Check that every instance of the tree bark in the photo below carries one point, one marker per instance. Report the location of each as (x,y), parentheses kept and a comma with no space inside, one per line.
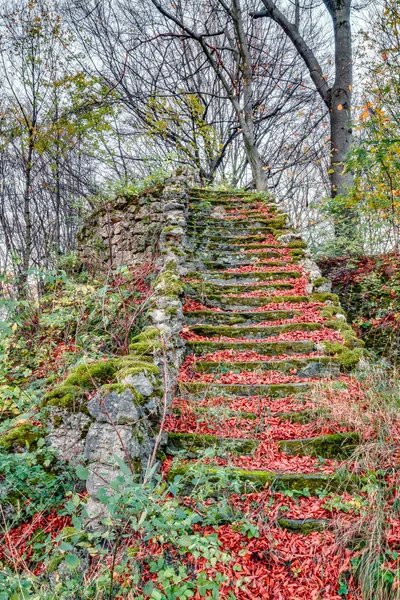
(340,96)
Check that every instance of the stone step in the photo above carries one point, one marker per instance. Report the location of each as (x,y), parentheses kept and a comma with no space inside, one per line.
(251,333)
(322,366)
(239,303)
(196,389)
(336,446)
(265,348)
(301,417)
(210,317)
(238,288)
(247,482)
(245,277)
(193,445)
(208,225)
(330,446)
(218,265)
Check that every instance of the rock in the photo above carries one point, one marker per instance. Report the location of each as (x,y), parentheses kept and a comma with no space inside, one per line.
(289,237)
(140,383)
(115,408)
(104,442)
(67,433)
(100,476)
(171,206)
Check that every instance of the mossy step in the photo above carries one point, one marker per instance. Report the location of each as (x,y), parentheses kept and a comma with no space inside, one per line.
(229,247)
(242,481)
(229,278)
(237,302)
(300,416)
(336,446)
(193,445)
(240,288)
(198,389)
(323,366)
(304,526)
(238,318)
(236,239)
(266,348)
(244,261)
(252,333)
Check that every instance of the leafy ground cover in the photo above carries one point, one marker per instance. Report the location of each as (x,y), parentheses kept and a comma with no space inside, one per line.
(258,496)
(369,290)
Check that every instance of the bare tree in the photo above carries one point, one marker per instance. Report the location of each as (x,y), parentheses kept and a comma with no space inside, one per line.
(337,96)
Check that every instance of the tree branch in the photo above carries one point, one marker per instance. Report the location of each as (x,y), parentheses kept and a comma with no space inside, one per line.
(314,68)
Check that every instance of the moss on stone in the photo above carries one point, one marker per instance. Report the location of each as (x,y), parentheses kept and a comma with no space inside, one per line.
(303,526)
(325,297)
(249,480)
(348,358)
(297,244)
(267,348)
(194,444)
(146,342)
(278,390)
(69,397)
(21,437)
(320,281)
(254,332)
(333,446)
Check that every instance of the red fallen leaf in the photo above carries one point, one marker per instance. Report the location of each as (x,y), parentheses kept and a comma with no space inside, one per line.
(324,334)
(192,305)
(264,269)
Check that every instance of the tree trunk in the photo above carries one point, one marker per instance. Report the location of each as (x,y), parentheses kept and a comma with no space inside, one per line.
(340,97)
(246,117)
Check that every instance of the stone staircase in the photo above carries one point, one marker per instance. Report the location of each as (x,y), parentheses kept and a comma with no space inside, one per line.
(263,335)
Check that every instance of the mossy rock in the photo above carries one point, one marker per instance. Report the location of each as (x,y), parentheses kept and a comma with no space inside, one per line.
(347,357)
(72,393)
(304,526)
(297,244)
(146,342)
(252,332)
(325,297)
(21,437)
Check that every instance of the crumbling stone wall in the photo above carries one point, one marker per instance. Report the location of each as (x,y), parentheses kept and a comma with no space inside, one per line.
(121,421)
(125,231)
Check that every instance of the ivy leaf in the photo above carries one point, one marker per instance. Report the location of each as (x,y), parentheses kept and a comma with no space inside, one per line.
(82,473)
(72,561)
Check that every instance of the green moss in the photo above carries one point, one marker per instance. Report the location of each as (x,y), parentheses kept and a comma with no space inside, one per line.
(324,297)
(89,375)
(303,526)
(335,446)
(329,311)
(254,332)
(348,358)
(279,390)
(320,281)
(297,244)
(267,348)
(21,437)
(247,481)
(194,444)
(66,396)
(146,342)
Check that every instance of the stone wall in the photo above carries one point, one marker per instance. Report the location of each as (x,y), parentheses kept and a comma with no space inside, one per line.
(121,421)
(124,231)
